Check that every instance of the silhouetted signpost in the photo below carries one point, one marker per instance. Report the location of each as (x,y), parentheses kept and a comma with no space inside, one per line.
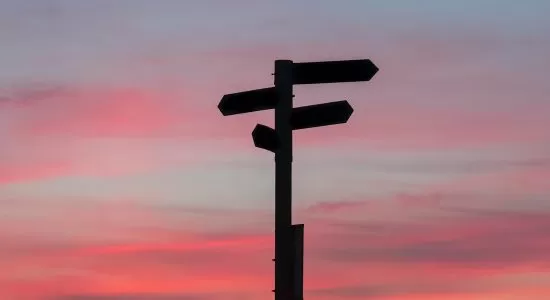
(289,241)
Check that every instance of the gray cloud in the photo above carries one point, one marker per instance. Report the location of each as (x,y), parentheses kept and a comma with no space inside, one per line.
(373,291)
(474,238)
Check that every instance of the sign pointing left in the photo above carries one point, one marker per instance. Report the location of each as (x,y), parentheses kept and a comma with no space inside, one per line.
(265,137)
(248,101)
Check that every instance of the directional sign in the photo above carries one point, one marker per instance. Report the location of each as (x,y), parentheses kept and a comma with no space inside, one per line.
(333,71)
(320,115)
(249,101)
(265,137)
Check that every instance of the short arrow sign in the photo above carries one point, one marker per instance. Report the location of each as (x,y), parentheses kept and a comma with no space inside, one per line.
(248,101)
(320,115)
(265,137)
(333,71)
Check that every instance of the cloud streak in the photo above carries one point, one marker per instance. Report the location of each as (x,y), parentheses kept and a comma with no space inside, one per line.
(118,173)
(460,251)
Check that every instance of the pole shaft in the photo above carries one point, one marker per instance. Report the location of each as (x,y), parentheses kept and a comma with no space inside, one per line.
(283,182)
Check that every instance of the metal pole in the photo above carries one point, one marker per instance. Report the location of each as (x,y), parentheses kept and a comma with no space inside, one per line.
(298,262)
(283,182)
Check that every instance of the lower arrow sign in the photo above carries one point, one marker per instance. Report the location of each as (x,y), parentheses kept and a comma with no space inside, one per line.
(320,115)
(265,137)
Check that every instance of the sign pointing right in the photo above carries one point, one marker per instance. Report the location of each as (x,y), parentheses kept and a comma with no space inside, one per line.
(320,115)
(333,71)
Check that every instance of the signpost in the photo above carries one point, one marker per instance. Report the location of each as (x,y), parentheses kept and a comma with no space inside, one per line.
(288,237)
(320,115)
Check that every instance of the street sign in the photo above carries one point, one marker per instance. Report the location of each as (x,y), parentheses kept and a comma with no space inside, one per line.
(248,101)
(333,71)
(298,261)
(320,115)
(265,137)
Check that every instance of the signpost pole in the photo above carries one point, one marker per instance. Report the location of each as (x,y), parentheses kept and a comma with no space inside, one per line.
(283,181)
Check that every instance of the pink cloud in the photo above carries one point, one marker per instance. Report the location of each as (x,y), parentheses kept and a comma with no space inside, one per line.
(51,111)
(52,131)
(334,206)
(510,185)
(204,245)
(140,250)
(96,112)
(414,102)
(23,172)
(413,128)
(470,255)
(431,245)
(117,247)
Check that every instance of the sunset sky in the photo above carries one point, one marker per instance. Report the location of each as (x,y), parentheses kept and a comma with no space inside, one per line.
(121,180)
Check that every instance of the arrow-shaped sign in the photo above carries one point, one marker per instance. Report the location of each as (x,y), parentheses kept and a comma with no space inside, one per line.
(248,101)
(265,137)
(320,115)
(333,71)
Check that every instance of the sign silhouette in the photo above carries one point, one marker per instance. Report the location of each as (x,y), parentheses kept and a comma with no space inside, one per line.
(320,115)
(248,101)
(265,137)
(289,241)
(333,71)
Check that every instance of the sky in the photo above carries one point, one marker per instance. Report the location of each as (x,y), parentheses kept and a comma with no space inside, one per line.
(121,180)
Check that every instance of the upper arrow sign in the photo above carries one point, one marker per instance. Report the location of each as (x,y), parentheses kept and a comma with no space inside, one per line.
(333,71)
(248,101)
(320,115)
